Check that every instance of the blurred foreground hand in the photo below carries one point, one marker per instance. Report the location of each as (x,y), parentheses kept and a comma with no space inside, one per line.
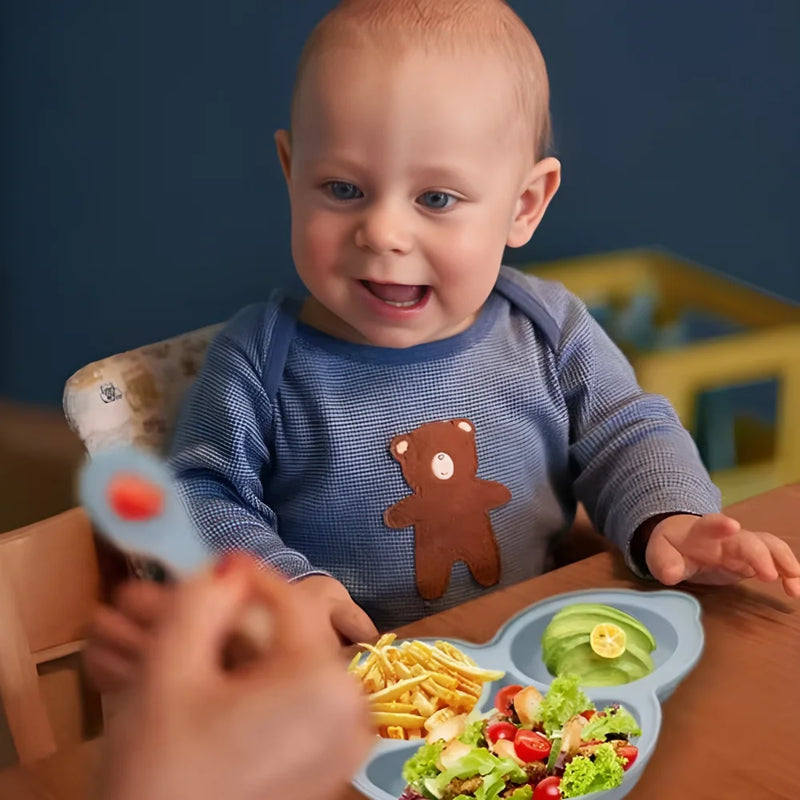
(290,723)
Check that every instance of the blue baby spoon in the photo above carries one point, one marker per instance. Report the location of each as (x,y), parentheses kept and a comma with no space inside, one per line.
(130,496)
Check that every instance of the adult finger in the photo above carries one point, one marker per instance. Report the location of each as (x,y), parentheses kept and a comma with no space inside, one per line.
(301,627)
(190,637)
(143,601)
(108,670)
(109,628)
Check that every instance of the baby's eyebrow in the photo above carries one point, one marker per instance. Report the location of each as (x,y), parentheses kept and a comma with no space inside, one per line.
(444,176)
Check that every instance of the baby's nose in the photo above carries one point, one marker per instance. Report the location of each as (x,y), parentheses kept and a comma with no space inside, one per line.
(384,228)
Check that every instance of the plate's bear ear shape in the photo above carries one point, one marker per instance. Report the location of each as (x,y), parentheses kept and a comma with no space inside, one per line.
(462,425)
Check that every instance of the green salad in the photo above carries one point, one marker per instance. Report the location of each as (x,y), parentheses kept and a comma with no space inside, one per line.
(529,747)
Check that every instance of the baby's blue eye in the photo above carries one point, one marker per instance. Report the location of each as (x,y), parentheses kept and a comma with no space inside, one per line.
(437,200)
(342,190)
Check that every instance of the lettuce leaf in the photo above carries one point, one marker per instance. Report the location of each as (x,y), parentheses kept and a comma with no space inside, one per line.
(480,761)
(582,775)
(496,773)
(473,734)
(563,700)
(422,765)
(616,720)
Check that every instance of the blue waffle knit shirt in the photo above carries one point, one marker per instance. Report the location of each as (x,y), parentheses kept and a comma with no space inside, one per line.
(282,445)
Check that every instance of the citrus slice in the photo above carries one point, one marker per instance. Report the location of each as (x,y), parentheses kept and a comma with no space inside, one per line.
(607,640)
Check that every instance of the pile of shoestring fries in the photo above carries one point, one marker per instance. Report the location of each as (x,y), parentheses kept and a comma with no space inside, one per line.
(414,687)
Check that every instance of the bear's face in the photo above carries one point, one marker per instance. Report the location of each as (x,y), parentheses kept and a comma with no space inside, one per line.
(436,453)
(443,466)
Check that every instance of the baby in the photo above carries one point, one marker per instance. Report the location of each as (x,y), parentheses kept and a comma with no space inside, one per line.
(418,429)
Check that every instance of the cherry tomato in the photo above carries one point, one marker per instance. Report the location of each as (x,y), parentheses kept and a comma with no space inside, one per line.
(504,699)
(500,730)
(629,751)
(588,714)
(531,745)
(548,789)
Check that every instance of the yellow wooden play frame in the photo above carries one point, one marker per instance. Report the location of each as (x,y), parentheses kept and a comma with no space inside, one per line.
(767,348)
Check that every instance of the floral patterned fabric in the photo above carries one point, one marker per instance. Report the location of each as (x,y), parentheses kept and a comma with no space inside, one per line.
(134,397)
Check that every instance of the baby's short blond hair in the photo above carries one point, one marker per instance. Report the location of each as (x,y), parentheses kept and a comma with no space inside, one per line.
(488,25)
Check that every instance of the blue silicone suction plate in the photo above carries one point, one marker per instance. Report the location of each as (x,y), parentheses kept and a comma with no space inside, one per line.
(672,617)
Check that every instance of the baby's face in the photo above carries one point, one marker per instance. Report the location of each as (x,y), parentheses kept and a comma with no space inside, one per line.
(404,181)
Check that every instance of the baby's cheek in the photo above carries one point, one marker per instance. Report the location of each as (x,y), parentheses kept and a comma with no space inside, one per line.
(318,241)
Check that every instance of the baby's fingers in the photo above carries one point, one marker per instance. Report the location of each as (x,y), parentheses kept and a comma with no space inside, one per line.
(353,624)
(786,563)
(665,563)
(792,586)
(752,550)
(783,556)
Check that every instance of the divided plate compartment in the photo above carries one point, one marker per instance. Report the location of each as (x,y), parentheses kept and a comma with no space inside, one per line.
(672,617)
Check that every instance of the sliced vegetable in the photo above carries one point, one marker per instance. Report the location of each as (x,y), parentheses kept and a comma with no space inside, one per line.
(531,745)
(504,699)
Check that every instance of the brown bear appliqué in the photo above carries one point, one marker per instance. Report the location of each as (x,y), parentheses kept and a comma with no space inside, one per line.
(449,508)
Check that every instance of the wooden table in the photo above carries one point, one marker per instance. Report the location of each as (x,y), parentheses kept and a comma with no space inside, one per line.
(729,730)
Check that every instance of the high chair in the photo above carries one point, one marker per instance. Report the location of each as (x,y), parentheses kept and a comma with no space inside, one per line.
(49,581)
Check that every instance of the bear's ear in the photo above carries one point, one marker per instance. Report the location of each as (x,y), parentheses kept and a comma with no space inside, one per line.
(463,425)
(399,447)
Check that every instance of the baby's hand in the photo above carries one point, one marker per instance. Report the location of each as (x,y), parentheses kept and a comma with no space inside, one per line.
(349,623)
(715,549)
(118,635)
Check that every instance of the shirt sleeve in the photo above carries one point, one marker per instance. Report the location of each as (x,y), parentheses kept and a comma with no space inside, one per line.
(632,457)
(221,449)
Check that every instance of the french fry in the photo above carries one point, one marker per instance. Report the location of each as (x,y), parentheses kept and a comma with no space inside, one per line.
(393,692)
(405,708)
(389,718)
(414,686)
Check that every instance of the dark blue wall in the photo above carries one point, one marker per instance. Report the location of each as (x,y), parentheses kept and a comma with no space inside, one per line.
(141,196)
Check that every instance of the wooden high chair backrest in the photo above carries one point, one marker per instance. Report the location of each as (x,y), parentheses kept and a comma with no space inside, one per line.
(49,582)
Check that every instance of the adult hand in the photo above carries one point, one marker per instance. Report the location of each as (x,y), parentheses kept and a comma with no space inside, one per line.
(291,723)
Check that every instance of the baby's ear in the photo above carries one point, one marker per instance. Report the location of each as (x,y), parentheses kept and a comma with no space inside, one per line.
(283,144)
(399,447)
(542,183)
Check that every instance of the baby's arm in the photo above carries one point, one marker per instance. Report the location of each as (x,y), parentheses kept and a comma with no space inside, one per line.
(641,478)
(633,461)
(221,451)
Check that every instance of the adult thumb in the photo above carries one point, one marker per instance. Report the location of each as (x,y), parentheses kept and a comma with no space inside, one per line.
(190,638)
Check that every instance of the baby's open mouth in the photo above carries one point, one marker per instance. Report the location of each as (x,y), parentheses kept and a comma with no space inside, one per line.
(397,294)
